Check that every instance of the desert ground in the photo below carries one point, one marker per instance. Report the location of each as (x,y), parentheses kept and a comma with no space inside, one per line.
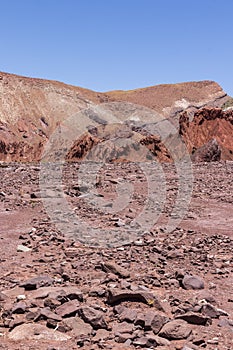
(164,290)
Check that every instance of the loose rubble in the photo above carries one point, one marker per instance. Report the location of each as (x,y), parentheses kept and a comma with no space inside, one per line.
(165,291)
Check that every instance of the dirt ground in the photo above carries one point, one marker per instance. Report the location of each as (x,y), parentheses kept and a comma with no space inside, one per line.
(157,261)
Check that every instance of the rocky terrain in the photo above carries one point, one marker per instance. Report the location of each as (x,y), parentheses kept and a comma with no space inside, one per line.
(120,236)
(32,109)
(208,124)
(162,290)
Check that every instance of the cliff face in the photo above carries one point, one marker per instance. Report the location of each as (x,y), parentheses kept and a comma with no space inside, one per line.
(31,109)
(172,99)
(210,127)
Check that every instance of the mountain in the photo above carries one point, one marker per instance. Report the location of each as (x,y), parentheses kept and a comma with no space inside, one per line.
(32,109)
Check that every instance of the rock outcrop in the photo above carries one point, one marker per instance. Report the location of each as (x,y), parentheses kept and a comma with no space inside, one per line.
(208,136)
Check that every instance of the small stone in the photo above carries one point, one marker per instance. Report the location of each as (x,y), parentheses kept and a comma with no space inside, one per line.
(37,282)
(51,303)
(191,346)
(16,322)
(161,341)
(23,248)
(210,311)
(47,313)
(68,309)
(222,312)
(192,282)
(123,327)
(101,334)
(78,326)
(198,341)
(151,321)
(140,320)
(195,318)
(73,293)
(126,345)
(19,308)
(32,316)
(116,269)
(123,337)
(154,340)
(175,330)
(142,341)
(59,295)
(205,295)
(154,321)
(3,297)
(128,315)
(139,243)
(60,327)
(213,341)
(92,316)
(226,323)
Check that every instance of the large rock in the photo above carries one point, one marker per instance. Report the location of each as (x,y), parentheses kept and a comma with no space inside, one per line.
(115,268)
(37,282)
(195,318)
(116,296)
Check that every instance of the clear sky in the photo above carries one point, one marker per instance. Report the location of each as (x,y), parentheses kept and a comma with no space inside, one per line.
(118,44)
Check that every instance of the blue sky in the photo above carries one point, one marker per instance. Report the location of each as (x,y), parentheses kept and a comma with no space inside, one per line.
(118,44)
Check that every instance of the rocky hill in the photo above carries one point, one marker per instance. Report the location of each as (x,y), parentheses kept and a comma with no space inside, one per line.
(31,109)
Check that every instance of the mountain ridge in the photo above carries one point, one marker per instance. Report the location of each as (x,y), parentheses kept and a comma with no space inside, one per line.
(32,108)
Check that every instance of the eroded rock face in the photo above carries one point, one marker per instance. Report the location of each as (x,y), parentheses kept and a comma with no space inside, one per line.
(32,109)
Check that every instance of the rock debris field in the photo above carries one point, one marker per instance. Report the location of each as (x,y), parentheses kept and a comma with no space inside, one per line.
(163,290)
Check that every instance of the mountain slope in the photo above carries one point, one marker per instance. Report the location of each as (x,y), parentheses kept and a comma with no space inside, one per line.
(171,99)
(31,109)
